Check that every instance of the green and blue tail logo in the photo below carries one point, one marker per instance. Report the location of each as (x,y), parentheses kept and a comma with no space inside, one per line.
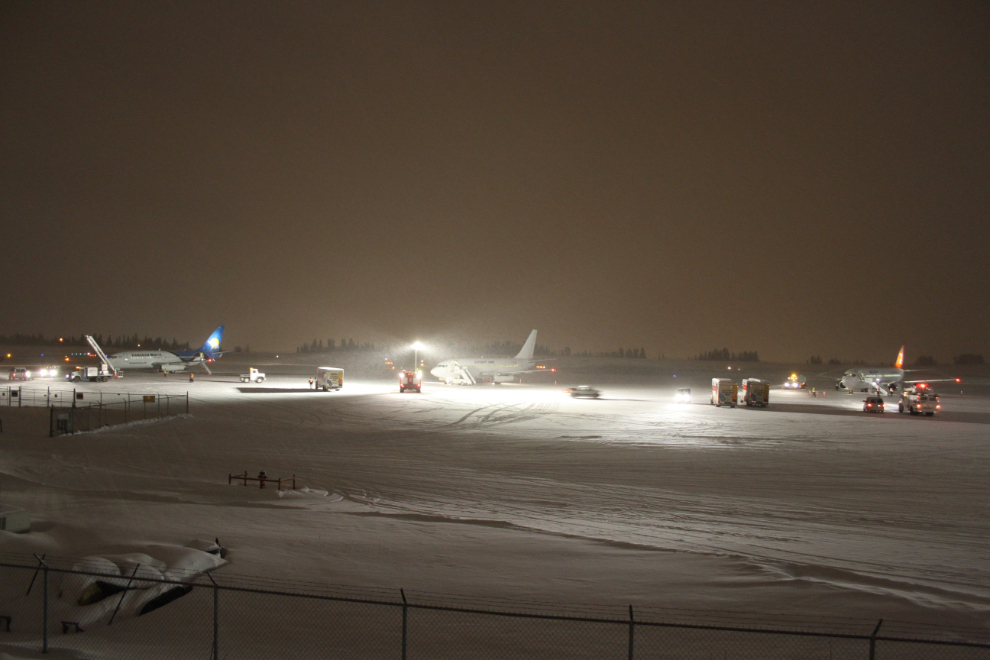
(212,345)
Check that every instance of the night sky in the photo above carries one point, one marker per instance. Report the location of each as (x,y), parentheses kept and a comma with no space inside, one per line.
(788,177)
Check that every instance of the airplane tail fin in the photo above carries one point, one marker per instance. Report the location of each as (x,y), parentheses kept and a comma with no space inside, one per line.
(900,359)
(527,350)
(212,344)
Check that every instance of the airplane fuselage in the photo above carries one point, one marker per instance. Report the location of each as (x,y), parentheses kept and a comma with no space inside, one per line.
(855,380)
(163,360)
(452,370)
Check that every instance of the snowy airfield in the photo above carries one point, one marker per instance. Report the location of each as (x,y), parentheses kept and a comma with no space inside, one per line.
(810,507)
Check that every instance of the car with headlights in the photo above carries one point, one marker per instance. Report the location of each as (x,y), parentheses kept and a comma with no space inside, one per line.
(585,391)
(873,404)
(19,373)
(683,395)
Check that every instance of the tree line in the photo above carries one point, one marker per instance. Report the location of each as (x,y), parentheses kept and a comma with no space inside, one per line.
(317,346)
(110,341)
(723,355)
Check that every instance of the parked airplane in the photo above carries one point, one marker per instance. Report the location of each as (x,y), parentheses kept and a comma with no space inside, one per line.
(884,380)
(469,371)
(170,360)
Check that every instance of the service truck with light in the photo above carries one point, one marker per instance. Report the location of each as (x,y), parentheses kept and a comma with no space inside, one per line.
(724,392)
(411,381)
(754,392)
(919,400)
(329,378)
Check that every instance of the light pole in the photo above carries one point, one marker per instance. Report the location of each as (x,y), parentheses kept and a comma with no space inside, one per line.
(416,348)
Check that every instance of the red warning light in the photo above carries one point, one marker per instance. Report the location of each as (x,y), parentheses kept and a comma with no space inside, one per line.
(958,380)
(553,369)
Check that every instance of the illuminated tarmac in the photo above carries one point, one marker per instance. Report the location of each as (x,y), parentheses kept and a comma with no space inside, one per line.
(843,508)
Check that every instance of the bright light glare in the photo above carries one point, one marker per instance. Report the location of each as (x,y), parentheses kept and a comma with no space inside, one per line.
(418,346)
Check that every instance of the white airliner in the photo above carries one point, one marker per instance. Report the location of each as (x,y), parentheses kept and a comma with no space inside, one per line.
(169,360)
(469,371)
(884,380)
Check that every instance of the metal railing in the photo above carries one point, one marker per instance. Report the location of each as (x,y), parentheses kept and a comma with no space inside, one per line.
(229,616)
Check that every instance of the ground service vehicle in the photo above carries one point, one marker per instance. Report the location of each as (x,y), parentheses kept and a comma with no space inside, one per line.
(329,378)
(585,391)
(683,395)
(795,382)
(873,404)
(410,380)
(253,376)
(89,374)
(19,373)
(919,400)
(754,392)
(48,372)
(724,392)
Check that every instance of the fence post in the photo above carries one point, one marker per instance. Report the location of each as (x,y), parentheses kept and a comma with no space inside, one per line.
(216,618)
(632,631)
(187,402)
(51,422)
(873,640)
(405,621)
(44,619)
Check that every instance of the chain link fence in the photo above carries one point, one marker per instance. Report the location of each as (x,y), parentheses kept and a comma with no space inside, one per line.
(220,616)
(75,411)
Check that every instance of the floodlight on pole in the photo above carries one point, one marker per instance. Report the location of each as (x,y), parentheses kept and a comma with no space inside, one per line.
(416,348)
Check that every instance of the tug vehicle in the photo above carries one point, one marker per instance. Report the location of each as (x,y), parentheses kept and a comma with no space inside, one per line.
(796,382)
(410,380)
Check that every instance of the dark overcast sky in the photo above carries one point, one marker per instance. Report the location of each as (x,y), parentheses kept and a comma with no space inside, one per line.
(787,177)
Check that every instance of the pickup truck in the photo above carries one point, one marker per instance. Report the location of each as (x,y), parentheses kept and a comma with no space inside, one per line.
(253,376)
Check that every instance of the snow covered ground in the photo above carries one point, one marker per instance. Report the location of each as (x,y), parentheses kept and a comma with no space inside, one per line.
(809,507)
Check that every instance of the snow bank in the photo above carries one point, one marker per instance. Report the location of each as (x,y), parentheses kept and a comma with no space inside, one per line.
(303,492)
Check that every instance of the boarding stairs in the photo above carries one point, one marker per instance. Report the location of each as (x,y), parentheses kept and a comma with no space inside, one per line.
(107,367)
(463,376)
